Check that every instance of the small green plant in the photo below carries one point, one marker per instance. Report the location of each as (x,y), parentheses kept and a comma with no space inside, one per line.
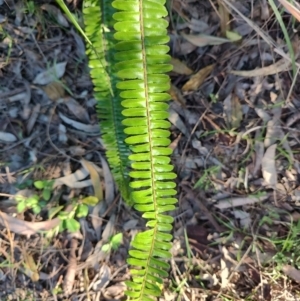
(114,243)
(204,181)
(68,219)
(288,248)
(46,188)
(31,202)
(7,39)
(35,201)
(30,7)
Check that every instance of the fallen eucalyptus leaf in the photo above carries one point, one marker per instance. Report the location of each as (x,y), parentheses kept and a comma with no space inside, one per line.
(94,178)
(7,137)
(268,166)
(233,36)
(53,73)
(54,90)
(202,40)
(175,119)
(280,66)
(294,10)
(87,128)
(197,79)
(291,272)
(233,111)
(176,95)
(180,67)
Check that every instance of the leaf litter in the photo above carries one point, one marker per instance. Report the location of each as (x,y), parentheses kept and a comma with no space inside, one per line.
(235,138)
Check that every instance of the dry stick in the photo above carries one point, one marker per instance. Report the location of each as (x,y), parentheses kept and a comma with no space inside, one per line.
(86,277)
(280,66)
(7,195)
(71,272)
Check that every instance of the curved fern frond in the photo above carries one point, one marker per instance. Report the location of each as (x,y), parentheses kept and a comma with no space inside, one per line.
(142,63)
(99,30)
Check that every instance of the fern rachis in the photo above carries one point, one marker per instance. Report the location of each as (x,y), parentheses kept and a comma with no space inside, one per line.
(141,33)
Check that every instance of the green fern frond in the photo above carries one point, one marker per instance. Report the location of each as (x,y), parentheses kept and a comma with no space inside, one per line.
(99,29)
(142,64)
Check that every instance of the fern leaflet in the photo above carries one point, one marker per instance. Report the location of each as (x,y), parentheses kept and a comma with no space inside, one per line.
(98,28)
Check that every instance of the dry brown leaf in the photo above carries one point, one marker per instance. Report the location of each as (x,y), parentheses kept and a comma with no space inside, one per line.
(30,268)
(28,228)
(224,18)
(180,67)
(197,25)
(273,132)
(243,217)
(265,12)
(268,166)
(197,79)
(259,152)
(77,110)
(185,48)
(33,118)
(280,66)
(175,119)
(292,119)
(95,178)
(202,40)
(233,111)
(176,95)
(103,279)
(54,90)
(73,180)
(291,272)
(293,9)
(115,292)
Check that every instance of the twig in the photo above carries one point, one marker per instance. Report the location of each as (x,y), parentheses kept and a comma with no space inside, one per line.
(71,272)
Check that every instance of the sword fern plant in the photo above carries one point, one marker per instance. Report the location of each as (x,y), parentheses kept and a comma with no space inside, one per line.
(129,61)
